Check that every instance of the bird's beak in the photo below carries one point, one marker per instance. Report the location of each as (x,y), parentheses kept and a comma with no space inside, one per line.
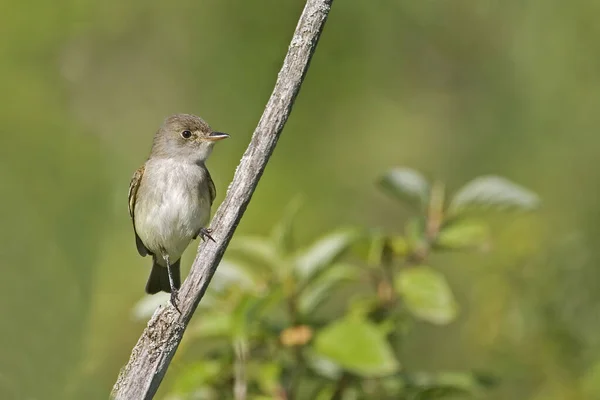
(214,136)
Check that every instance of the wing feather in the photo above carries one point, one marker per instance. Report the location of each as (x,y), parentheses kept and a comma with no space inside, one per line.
(133,189)
(211,188)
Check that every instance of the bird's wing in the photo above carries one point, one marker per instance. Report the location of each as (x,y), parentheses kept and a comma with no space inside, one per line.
(133,189)
(211,188)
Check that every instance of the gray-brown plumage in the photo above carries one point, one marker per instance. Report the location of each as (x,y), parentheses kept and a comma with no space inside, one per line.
(170,197)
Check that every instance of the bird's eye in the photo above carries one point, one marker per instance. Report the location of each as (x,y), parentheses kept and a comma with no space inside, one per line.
(186,134)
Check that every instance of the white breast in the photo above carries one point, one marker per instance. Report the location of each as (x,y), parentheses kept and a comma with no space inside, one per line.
(173,203)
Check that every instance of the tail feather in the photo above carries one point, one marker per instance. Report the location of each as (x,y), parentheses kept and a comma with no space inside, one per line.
(159,278)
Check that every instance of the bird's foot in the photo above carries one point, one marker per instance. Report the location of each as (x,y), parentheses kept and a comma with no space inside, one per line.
(174,294)
(204,233)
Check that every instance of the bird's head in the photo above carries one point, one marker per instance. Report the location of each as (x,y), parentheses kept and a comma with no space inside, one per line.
(185,137)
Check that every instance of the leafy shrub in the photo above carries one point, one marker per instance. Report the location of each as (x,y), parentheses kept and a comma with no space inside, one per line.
(321,321)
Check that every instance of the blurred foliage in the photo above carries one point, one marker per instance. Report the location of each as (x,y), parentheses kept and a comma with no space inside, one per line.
(292,322)
(455,88)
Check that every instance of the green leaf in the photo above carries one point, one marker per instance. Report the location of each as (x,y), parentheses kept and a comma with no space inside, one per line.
(360,306)
(407,185)
(281,235)
(247,314)
(358,346)
(463,235)
(257,250)
(443,384)
(399,246)
(370,248)
(415,230)
(196,375)
(266,375)
(313,295)
(363,248)
(395,388)
(323,366)
(325,393)
(324,252)
(426,294)
(235,273)
(493,192)
(213,324)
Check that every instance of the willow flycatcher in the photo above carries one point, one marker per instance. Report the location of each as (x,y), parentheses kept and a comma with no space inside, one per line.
(170,197)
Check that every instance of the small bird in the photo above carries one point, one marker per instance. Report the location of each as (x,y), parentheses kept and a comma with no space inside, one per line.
(170,198)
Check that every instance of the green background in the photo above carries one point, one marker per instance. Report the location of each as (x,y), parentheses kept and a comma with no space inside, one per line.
(455,88)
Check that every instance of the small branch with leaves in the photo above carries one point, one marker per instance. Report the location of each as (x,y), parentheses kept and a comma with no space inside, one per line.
(152,354)
(312,327)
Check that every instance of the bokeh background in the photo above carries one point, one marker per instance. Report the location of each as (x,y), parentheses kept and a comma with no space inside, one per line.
(455,89)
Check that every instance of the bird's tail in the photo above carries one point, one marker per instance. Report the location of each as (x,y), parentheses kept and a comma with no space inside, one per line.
(159,277)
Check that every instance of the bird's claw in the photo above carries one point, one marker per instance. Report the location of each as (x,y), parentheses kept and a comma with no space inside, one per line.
(205,234)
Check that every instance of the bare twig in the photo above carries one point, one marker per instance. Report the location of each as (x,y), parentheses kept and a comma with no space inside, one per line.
(151,356)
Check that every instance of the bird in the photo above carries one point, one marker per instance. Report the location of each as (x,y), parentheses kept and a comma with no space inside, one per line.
(170,198)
